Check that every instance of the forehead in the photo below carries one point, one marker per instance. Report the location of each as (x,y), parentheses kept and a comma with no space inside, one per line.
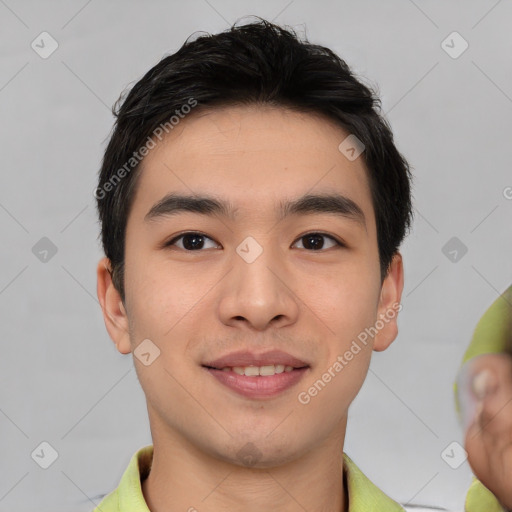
(252,156)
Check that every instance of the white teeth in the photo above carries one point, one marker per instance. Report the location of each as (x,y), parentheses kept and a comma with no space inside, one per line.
(267,370)
(252,371)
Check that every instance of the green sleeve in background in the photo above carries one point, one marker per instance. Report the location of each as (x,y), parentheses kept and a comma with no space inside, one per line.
(492,335)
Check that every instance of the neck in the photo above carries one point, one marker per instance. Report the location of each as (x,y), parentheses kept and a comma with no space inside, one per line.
(185,478)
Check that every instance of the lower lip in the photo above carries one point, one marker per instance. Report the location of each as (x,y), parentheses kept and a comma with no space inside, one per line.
(258,387)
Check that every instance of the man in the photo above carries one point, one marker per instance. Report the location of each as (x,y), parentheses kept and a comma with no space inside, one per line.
(252,204)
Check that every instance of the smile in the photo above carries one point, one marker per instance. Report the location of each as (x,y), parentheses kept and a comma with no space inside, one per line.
(258,382)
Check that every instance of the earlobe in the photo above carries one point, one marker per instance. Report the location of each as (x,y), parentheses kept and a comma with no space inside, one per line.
(389,305)
(114,312)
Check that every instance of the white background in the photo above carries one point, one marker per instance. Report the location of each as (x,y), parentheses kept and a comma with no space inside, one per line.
(61,379)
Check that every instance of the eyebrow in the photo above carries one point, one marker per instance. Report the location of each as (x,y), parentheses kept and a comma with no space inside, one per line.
(335,204)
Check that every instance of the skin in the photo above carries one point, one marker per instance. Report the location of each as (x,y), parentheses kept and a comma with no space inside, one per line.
(201,304)
(488,438)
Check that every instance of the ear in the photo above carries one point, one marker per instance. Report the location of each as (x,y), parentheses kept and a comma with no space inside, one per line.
(114,313)
(389,305)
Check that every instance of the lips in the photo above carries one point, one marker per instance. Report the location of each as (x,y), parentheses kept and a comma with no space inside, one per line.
(247,358)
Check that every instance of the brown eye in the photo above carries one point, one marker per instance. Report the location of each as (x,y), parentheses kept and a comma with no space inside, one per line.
(315,241)
(190,241)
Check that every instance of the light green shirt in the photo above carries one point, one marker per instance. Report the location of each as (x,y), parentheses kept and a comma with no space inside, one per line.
(363,495)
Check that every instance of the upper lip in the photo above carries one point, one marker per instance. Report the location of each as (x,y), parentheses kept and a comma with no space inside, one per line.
(247,358)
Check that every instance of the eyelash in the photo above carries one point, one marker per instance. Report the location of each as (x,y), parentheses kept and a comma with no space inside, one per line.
(176,238)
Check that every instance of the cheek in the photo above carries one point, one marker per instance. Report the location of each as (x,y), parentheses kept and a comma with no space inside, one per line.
(159,293)
(346,311)
(348,303)
(333,388)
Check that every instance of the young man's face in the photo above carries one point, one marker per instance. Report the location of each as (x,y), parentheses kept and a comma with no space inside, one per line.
(252,282)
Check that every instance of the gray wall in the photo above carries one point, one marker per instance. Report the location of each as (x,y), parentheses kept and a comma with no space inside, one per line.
(61,379)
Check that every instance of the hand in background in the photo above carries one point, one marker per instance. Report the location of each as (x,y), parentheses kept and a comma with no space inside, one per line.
(485,391)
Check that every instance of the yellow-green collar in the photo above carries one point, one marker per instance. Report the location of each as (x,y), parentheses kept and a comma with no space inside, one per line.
(363,495)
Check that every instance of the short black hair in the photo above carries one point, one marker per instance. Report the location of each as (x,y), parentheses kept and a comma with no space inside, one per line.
(257,63)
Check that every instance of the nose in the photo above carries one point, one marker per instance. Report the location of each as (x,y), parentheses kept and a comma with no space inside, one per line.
(258,294)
